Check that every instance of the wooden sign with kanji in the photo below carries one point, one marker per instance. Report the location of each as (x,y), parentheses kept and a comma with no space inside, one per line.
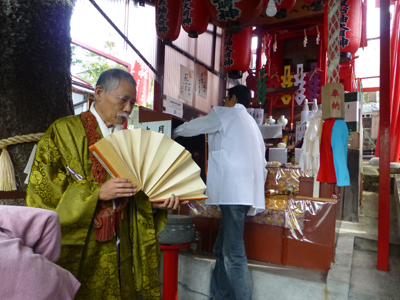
(332,95)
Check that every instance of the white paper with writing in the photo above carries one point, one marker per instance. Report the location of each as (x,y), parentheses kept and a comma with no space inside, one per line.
(201,81)
(174,107)
(186,84)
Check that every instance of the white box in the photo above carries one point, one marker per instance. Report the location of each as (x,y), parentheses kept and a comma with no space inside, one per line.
(278,154)
(301,128)
(351,111)
(297,154)
(271,131)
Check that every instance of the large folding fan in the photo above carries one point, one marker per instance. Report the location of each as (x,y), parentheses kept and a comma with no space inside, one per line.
(153,162)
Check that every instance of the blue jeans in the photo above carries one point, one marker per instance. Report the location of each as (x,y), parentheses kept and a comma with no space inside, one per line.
(231,277)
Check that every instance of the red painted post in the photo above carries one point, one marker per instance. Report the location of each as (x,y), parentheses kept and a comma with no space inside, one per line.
(170,270)
(292,113)
(259,35)
(395,88)
(384,136)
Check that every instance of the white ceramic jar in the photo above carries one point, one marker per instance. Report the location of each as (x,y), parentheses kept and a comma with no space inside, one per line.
(282,121)
(270,121)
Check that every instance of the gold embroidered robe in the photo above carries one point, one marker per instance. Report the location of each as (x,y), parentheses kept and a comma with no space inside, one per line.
(61,181)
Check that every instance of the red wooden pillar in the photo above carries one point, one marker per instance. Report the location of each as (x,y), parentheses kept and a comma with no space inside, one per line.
(170,270)
(292,113)
(384,138)
(259,34)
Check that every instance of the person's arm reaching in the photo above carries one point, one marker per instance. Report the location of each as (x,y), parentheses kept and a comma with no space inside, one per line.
(203,125)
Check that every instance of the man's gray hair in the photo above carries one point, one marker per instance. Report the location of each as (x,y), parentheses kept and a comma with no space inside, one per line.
(109,79)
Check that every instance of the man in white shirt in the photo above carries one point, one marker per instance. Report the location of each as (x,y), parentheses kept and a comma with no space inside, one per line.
(235,182)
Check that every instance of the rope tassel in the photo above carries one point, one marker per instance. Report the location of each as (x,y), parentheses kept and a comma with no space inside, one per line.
(7,175)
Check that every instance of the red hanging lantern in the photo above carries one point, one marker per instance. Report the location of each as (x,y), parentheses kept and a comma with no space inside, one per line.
(234,15)
(194,17)
(315,5)
(350,28)
(284,7)
(168,19)
(237,52)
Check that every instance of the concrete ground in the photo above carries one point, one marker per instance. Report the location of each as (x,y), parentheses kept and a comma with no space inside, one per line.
(353,276)
(366,282)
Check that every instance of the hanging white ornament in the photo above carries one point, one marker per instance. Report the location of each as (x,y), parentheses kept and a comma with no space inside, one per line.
(264,43)
(318,36)
(305,39)
(300,82)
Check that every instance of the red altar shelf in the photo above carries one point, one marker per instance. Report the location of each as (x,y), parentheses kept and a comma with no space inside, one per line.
(293,230)
(279,92)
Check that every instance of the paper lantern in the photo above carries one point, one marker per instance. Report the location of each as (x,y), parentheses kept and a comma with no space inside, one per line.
(168,19)
(350,28)
(315,5)
(237,52)
(284,7)
(234,15)
(194,17)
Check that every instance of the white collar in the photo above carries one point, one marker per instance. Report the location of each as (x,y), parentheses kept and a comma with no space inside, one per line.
(239,105)
(103,127)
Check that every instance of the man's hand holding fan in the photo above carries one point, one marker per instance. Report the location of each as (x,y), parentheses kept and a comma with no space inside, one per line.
(153,163)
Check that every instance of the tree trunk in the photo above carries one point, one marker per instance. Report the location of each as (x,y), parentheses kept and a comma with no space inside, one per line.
(35,80)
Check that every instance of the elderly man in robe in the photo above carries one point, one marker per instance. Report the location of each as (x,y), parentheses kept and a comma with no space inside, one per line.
(109,232)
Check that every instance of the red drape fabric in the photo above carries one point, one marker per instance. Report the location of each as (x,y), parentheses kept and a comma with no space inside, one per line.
(326,171)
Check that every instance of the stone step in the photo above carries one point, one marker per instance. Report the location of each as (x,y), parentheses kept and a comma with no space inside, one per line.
(195,272)
(271,281)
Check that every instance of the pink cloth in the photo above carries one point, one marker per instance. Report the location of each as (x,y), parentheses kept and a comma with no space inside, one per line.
(30,243)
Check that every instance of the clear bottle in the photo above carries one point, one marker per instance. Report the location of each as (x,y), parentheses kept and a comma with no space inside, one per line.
(195,244)
(305,113)
(305,105)
(314,109)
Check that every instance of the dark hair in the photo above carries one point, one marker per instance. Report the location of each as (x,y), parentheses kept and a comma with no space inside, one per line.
(109,79)
(242,94)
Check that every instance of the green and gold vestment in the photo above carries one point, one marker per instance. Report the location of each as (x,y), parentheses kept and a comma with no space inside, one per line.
(61,181)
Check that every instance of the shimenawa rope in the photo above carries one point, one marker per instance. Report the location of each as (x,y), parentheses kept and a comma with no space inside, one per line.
(7,174)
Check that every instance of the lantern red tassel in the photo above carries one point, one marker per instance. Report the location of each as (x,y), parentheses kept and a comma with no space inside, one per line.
(237,52)
(194,17)
(168,19)
(315,5)
(350,28)
(284,7)
(232,15)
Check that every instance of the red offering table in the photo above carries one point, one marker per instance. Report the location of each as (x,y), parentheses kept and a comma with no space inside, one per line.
(170,270)
(293,231)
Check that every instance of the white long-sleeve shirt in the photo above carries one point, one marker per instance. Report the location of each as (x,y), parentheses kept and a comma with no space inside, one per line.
(203,125)
(233,178)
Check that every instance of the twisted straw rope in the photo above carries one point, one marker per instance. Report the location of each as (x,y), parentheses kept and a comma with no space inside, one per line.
(33,137)
(333,41)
